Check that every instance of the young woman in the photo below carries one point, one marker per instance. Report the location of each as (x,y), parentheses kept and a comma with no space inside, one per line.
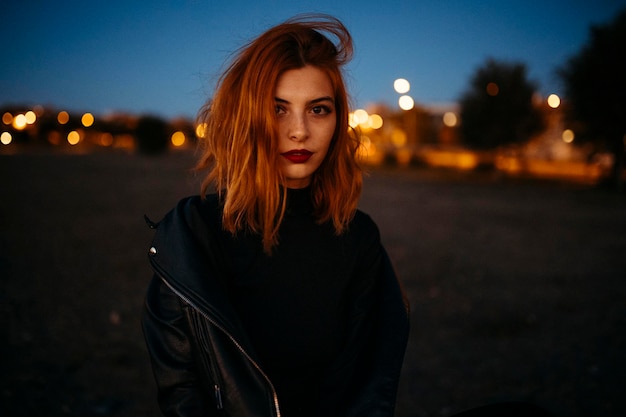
(274,296)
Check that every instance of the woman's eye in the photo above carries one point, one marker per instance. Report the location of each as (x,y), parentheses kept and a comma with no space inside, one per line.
(279,110)
(321,110)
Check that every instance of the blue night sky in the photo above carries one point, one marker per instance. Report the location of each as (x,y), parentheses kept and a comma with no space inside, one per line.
(162,57)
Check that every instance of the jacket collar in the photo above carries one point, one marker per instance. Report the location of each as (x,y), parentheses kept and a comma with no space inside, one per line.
(194,274)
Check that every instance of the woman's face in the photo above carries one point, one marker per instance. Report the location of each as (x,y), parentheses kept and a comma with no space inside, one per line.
(305,111)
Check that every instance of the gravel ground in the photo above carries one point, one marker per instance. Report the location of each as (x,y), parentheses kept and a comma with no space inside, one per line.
(517,288)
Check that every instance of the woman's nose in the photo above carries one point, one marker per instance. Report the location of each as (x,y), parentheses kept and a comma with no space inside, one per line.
(298,129)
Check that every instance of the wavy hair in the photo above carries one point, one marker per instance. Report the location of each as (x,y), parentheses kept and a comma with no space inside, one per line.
(240,142)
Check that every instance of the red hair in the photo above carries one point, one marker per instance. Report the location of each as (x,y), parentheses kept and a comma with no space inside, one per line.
(240,140)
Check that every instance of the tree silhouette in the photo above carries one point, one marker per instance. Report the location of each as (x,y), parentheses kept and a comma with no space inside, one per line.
(595,87)
(497,109)
(151,135)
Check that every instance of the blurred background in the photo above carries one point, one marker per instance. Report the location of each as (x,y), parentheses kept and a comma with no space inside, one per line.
(528,88)
(493,137)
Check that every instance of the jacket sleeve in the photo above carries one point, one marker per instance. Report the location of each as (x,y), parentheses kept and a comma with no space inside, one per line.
(366,374)
(180,390)
(381,361)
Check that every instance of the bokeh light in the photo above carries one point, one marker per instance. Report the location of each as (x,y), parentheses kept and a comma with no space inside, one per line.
(449,119)
(7,118)
(568,136)
(364,120)
(63,117)
(554,101)
(106,139)
(19,122)
(73,137)
(87,119)
(178,138)
(493,89)
(54,138)
(352,121)
(31,117)
(201,130)
(375,121)
(6,138)
(406,102)
(360,116)
(401,85)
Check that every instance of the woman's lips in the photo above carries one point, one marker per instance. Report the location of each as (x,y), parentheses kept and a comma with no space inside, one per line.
(297,156)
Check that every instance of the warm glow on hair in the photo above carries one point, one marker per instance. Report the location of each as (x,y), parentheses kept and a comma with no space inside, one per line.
(240,140)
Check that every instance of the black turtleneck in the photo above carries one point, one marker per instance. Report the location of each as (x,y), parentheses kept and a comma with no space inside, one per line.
(297,304)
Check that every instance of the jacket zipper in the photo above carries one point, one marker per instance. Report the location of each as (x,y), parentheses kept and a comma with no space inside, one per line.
(209,359)
(218,394)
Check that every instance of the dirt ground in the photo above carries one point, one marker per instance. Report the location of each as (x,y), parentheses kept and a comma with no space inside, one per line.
(517,288)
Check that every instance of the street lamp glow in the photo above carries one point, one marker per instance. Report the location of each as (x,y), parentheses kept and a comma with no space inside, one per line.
(31,117)
(375,121)
(19,122)
(401,86)
(73,137)
(6,138)
(568,136)
(554,101)
(87,119)
(63,117)
(7,118)
(406,102)
(449,119)
(201,130)
(178,138)
(360,116)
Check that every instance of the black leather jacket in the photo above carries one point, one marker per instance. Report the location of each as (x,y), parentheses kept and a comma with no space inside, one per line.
(202,361)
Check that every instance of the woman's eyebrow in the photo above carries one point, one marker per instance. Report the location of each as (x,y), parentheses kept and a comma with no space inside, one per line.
(314,101)
(322,99)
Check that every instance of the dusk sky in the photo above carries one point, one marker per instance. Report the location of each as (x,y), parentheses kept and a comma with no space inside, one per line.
(162,57)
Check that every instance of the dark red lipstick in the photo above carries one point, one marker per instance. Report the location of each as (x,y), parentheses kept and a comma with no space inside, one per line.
(297,156)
